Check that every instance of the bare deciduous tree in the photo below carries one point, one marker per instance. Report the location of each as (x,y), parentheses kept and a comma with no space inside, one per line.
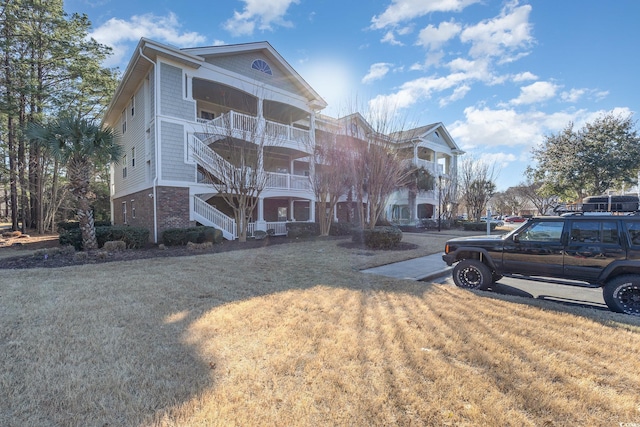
(533,192)
(235,164)
(331,175)
(378,168)
(477,185)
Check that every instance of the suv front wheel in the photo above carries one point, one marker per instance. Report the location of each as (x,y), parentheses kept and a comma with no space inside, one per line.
(472,274)
(622,294)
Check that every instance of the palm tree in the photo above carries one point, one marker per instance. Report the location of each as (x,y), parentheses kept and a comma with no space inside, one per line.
(79,144)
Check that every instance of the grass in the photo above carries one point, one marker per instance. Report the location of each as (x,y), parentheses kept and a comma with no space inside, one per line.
(296,335)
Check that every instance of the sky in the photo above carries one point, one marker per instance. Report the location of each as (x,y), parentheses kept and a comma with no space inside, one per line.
(500,75)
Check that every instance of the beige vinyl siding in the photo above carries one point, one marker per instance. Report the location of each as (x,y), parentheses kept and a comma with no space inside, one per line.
(172,87)
(241,64)
(136,128)
(134,136)
(172,144)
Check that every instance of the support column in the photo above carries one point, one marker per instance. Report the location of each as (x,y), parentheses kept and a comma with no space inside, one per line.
(312,210)
(291,206)
(261,224)
(312,146)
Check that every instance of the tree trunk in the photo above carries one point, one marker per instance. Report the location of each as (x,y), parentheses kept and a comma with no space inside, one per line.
(87,226)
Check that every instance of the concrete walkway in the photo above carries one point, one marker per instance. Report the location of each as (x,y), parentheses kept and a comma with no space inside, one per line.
(423,268)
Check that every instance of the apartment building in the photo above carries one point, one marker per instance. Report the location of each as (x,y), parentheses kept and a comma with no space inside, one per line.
(174,107)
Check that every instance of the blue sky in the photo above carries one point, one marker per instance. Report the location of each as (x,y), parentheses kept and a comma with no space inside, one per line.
(500,75)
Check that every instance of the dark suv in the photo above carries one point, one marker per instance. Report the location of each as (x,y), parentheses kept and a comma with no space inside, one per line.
(597,251)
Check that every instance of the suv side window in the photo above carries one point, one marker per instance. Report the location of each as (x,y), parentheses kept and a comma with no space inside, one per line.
(543,232)
(633,228)
(595,232)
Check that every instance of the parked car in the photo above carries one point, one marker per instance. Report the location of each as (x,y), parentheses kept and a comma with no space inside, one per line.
(512,219)
(496,221)
(591,251)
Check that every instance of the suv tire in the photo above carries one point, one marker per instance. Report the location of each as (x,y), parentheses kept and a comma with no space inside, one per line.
(472,274)
(622,294)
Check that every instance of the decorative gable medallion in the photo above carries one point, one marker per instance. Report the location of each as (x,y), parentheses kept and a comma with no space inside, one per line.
(261,66)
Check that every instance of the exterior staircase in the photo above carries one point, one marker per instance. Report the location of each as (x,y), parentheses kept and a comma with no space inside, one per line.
(206,214)
(203,212)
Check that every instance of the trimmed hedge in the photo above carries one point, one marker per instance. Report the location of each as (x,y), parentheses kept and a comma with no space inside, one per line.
(182,236)
(75,225)
(134,237)
(378,238)
(341,229)
(302,229)
(478,226)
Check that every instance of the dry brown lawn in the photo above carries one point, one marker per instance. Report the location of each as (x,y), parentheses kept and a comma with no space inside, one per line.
(295,335)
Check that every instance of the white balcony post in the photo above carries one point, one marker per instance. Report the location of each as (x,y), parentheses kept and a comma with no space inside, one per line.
(312,210)
(291,206)
(261,224)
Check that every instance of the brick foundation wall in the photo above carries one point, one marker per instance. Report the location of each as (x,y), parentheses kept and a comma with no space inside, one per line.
(173,209)
(139,208)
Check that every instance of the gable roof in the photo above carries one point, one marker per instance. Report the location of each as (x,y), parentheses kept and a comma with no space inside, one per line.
(422,132)
(275,58)
(147,52)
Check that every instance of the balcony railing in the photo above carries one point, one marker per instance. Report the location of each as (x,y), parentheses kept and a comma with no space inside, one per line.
(287,181)
(244,124)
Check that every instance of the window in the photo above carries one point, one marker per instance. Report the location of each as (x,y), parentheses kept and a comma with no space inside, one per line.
(133,157)
(262,66)
(124,212)
(124,168)
(207,115)
(543,232)
(123,120)
(133,105)
(633,228)
(594,232)
(282,214)
(133,209)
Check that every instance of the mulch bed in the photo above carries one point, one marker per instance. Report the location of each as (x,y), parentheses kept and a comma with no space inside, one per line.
(42,259)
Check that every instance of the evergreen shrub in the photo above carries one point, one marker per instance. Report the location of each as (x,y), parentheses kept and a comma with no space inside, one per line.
(182,236)
(302,229)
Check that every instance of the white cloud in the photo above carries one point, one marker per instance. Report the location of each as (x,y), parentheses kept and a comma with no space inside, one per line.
(458,93)
(376,72)
(573,95)
(119,33)
(433,38)
(260,14)
(416,90)
(433,60)
(390,38)
(502,36)
(500,160)
(512,134)
(522,77)
(536,92)
(404,10)
(485,127)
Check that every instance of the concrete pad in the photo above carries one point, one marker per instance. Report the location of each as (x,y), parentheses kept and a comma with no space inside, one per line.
(422,268)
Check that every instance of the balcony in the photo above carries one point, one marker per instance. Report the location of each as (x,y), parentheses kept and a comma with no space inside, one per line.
(247,127)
